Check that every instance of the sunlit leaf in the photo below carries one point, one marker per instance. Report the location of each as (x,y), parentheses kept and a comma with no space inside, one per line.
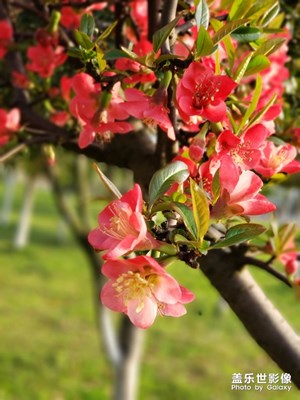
(238,234)
(227,29)
(188,218)
(100,59)
(107,31)
(200,210)
(83,40)
(269,47)
(257,64)
(163,179)
(240,71)
(239,9)
(204,44)
(202,14)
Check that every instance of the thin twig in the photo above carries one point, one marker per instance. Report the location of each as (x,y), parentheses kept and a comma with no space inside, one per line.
(12,152)
(265,265)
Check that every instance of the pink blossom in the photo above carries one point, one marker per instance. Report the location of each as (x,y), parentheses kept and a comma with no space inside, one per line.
(152,110)
(142,289)
(277,159)
(122,227)
(9,123)
(239,191)
(200,92)
(245,149)
(6,34)
(60,118)
(70,19)
(44,59)
(93,117)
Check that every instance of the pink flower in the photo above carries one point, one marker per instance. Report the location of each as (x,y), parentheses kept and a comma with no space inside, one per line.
(9,123)
(94,118)
(44,59)
(122,227)
(70,19)
(142,289)
(152,110)
(277,159)
(239,192)
(201,92)
(245,149)
(6,34)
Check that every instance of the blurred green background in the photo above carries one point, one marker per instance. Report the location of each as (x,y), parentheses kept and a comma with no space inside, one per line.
(49,344)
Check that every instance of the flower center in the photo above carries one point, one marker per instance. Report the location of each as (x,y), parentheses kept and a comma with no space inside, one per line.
(135,286)
(205,92)
(119,226)
(277,159)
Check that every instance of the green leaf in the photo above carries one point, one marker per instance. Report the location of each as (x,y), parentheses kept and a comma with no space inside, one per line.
(187,216)
(252,106)
(269,47)
(162,34)
(204,44)
(202,14)
(163,179)
(256,118)
(257,64)
(107,31)
(87,25)
(227,29)
(114,54)
(259,8)
(238,9)
(246,34)
(200,210)
(100,58)
(83,40)
(238,234)
(270,15)
(74,52)
(240,71)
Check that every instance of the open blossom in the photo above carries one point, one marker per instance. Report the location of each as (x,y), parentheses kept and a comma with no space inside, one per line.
(239,191)
(200,92)
(9,123)
(94,118)
(277,159)
(142,289)
(152,110)
(44,59)
(6,34)
(245,150)
(122,227)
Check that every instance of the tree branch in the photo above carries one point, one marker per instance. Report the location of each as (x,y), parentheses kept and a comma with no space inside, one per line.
(261,319)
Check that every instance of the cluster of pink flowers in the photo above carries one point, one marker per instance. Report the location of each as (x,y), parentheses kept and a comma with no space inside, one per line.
(138,286)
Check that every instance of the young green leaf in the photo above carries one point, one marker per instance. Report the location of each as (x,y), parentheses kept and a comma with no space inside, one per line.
(269,47)
(253,104)
(83,40)
(162,34)
(240,71)
(227,29)
(257,64)
(187,216)
(238,234)
(107,31)
(200,210)
(163,179)
(239,9)
(204,44)
(100,58)
(202,14)
(87,25)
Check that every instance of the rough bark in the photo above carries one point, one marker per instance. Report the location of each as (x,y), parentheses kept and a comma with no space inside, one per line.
(259,316)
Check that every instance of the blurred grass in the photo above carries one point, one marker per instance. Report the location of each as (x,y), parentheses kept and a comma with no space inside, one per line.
(50,348)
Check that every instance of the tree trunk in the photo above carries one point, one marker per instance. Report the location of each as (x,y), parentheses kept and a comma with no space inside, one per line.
(261,319)
(22,233)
